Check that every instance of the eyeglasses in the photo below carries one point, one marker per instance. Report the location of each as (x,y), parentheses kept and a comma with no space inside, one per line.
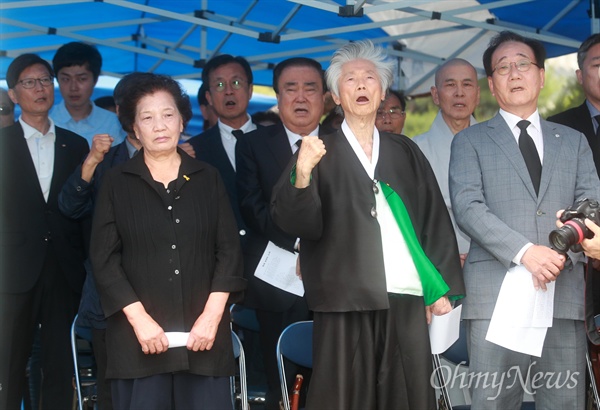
(30,82)
(235,84)
(394,113)
(521,66)
(5,110)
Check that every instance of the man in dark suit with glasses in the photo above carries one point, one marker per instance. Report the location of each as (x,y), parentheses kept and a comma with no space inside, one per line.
(228,84)
(41,251)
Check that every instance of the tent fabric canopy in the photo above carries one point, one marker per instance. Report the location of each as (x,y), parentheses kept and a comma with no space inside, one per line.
(178,37)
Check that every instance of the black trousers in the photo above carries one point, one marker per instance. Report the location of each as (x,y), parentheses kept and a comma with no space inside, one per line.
(172,391)
(53,304)
(373,359)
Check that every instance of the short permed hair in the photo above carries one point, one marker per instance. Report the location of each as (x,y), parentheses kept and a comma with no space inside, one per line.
(539,52)
(360,50)
(125,84)
(77,53)
(21,63)
(140,85)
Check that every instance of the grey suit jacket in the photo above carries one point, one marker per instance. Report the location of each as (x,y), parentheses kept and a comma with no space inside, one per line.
(496,205)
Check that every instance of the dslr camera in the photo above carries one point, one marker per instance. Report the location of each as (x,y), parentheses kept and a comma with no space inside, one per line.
(570,235)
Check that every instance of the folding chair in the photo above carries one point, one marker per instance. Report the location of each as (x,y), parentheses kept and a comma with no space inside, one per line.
(592,394)
(295,345)
(244,317)
(457,354)
(84,365)
(238,353)
(245,323)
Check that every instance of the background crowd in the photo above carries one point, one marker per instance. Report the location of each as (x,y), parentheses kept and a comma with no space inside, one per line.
(108,212)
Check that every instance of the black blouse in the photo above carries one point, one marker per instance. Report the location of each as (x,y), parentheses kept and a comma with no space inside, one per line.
(168,250)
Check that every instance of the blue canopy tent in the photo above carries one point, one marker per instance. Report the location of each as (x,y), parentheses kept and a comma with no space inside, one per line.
(178,37)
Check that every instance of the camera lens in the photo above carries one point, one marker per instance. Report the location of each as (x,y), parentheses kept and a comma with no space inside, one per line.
(571,233)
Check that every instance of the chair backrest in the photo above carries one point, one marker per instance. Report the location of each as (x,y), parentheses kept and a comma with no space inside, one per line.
(458,353)
(244,317)
(294,344)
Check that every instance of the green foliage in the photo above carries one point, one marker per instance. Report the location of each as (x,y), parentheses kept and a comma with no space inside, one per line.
(420,113)
(561,92)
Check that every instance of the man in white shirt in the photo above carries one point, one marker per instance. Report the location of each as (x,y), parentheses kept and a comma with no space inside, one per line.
(77,67)
(508,178)
(261,158)
(228,85)
(41,251)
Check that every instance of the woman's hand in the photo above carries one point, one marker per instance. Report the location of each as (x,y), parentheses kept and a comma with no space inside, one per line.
(149,334)
(439,307)
(203,333)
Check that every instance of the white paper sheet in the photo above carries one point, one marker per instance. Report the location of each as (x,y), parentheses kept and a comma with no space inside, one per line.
(277,267)
(522,315)
(177,339)
(444,330)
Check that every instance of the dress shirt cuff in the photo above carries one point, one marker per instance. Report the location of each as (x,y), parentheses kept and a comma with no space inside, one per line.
(517,258)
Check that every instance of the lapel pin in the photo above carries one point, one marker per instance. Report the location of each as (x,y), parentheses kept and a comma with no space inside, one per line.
(186,177)
(64,145)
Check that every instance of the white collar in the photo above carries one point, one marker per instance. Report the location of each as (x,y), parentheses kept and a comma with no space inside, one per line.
(29,131)
(369,166)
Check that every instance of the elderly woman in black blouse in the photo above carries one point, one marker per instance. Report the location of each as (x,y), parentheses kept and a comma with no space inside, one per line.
(378,252)
(166,258)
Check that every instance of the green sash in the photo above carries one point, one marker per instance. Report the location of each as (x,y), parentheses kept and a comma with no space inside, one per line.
(434,286)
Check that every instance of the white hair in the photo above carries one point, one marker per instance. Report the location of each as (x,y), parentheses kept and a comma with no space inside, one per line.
(359,50)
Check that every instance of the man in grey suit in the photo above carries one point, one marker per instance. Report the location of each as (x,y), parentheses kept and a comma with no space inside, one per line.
(506,202)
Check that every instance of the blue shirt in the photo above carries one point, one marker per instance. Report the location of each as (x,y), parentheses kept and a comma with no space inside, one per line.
(100,121)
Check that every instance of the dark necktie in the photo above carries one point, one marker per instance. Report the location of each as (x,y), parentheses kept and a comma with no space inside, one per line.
(296,145)
(530,155)
(237,134)
(597,117)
